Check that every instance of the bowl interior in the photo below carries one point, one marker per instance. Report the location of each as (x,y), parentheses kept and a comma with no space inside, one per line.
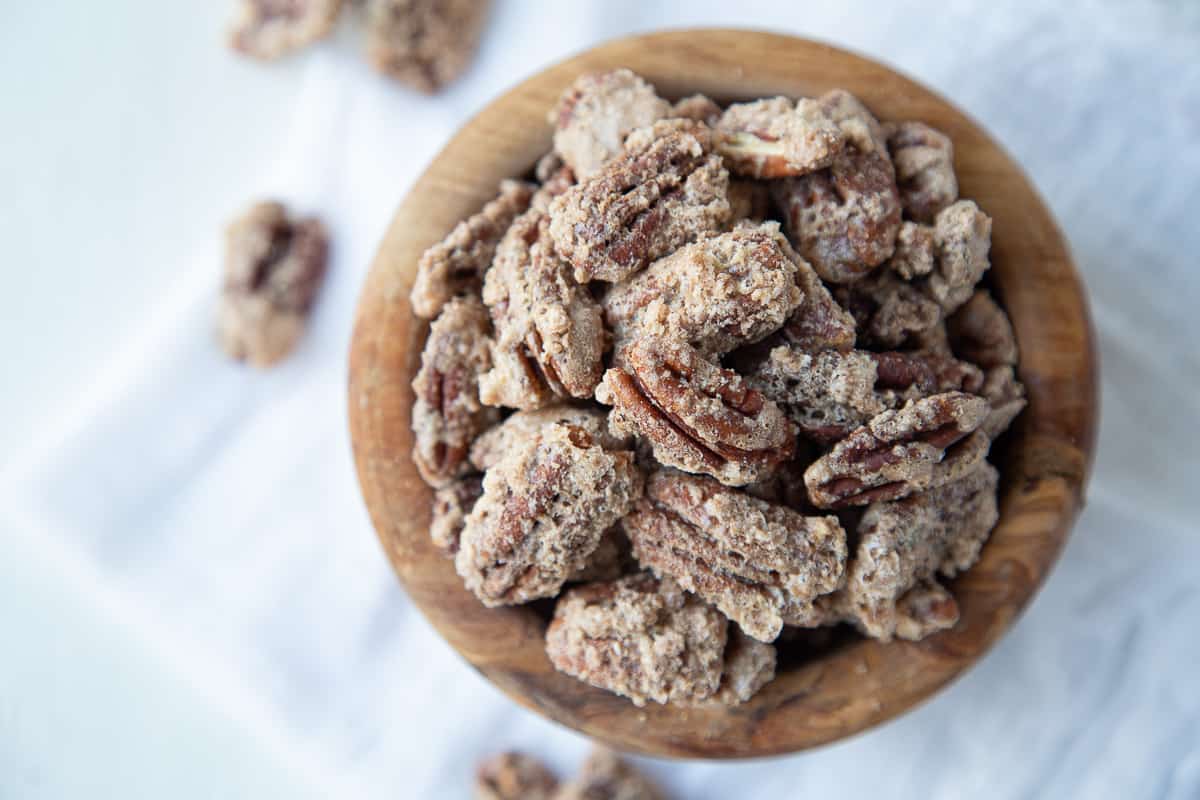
(828,687)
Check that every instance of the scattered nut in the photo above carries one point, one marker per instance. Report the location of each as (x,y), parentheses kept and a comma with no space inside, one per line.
(269,29)
(514,776)
(425,44)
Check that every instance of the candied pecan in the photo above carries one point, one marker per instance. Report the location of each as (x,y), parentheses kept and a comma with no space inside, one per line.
(931,341)
(760,564)
(829,394)
(749,200)
(274,266)
(716,294)
(608,561)
(981,332)
(514,776)
(1007,398)
(423,43)
(962,234)
(697,416)
(547,326)
(844,219)
(268,29)
(594,116)
(901,452)
(447,414)
(819,323)
(902,544)
(604,776)
(776,138)
(914,254)
(554,185)
(544,508)
(697,107)
(455,265)
(642,205)
(889,311)
(924,161)
(451,505)
(548,166)
(925,609)
(641,138)
(493,444)
(749,666)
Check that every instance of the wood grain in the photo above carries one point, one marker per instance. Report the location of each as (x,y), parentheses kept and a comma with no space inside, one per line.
(846,689)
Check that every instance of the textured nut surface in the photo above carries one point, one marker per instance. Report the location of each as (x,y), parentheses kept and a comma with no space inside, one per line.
(424,44)
(543,511)
(697,107)
(777,138)
(447,414)
(274,266)
(924,161)
(981,332)
(902,544)
(269,29)
(963,236)
(640,637)
(451,505)
(455,265)
(695,415)
(749,200)
(749,666)
(716,294)
(549,336)
(1007,398)
(760,564)
(514,776)
(641,206)
(924,444)
(914,255)
(493,444)
(595,115)
(605,776)
(925,609)
(889,312)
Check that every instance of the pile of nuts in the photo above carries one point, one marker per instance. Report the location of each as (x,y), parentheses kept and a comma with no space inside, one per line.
(717,373)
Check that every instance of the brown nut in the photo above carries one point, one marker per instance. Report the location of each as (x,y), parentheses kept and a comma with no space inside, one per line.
(962,234)
(455,265)
(514,776)
(925,609)
(269,29)
(760,564)
(495,443)
(641,206)
(697,107)
(981,332)
(605,776)
(544,509)
(451,505)
(889,312)
(640,637)
(423,43)
(447,414)
(776,138)
(1007,398)
(696,416)
(924,444)
(924,160)
(749,666)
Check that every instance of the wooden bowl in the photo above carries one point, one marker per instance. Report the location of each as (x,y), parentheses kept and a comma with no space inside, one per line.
(833,692)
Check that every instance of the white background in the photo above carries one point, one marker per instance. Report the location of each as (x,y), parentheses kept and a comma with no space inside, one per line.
(192,603)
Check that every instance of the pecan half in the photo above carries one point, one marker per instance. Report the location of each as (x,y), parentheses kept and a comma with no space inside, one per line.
(549,336)
(981,332)
(749,666)
(1007,398)
(455,265)
(495,443)
(696,416)
(776,138)
(269,29)
(844,219)
(963,235)
(902,544)
(716,294)
(424,44)
(451,505)
(274,265)
(594,116)
(447,414)
(514,776)
(915,249)
(829,394)
(901,452)
(642,205)
(544,509)
(924,160)
(640,637)
(889,312)
(604,776)
(818,323)
(760,564)
(698,107)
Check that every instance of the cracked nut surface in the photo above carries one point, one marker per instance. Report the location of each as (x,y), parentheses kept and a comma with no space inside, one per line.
(544,509)
(274,266)
(424,44)
(926,443)
(761,564)
(749,666)
(716,294)
(924,161)
(514,776)
(493,444)
(639,207)
(447,414)
(777,138)
(269,29)
(695,415)
(963,235)
(640,637)
(455,265)
(889,312)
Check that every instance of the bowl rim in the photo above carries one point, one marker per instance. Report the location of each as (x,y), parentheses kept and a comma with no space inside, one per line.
(1044,473)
